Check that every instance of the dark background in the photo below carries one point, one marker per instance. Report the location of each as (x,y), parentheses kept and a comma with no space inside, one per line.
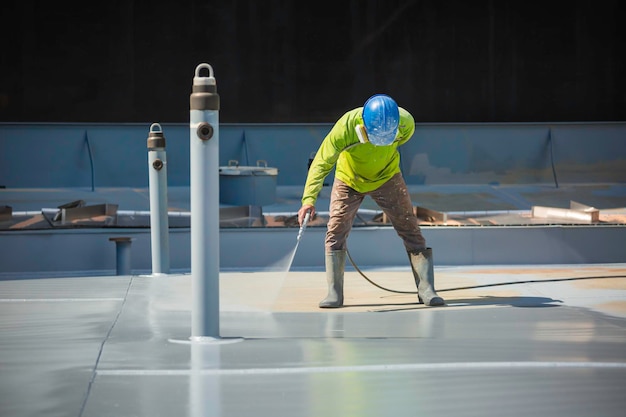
(295,61)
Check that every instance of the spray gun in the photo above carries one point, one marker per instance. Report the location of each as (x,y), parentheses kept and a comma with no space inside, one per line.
(302,228)
(304,222)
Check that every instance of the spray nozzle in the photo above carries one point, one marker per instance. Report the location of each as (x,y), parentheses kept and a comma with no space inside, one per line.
(307,216)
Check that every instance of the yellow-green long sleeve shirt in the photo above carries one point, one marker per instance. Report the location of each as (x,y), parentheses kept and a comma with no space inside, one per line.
(362,166)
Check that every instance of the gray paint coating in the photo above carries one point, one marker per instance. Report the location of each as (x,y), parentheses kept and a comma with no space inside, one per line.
(110,346)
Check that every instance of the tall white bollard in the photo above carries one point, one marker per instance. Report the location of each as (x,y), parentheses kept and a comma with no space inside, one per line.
(205,220)
(159,221)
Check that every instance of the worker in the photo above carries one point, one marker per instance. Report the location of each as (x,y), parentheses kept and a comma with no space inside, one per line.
(363,144)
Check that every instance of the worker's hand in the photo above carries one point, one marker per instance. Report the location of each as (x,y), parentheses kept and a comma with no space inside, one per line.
(302,212)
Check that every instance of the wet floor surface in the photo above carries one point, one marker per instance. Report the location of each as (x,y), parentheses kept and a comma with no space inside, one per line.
(521,340)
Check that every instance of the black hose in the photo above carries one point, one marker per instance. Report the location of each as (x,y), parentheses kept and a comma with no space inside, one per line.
(551,142)
(497,284)
(372,282)
(93,183)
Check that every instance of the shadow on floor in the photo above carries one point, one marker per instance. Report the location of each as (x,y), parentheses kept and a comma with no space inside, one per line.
(465,302)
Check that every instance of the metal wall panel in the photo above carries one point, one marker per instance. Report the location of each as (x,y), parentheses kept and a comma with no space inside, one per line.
(70,155)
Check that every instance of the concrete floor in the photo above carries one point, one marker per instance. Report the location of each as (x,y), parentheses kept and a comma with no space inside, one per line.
(512,340)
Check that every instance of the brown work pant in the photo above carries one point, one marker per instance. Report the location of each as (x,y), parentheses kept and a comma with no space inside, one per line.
(392,197)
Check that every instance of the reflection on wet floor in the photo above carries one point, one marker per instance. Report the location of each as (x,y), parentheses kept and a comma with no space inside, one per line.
(528,338)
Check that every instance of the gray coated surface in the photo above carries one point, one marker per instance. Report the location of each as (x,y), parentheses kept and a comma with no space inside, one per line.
(119,346)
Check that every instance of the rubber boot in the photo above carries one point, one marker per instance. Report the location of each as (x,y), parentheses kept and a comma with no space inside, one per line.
(422,266)
(335,266)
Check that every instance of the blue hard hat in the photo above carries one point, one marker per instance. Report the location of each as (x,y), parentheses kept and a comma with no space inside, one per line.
(381,118)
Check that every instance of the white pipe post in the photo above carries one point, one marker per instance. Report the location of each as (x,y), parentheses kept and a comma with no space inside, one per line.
(159,223)
(205,221)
